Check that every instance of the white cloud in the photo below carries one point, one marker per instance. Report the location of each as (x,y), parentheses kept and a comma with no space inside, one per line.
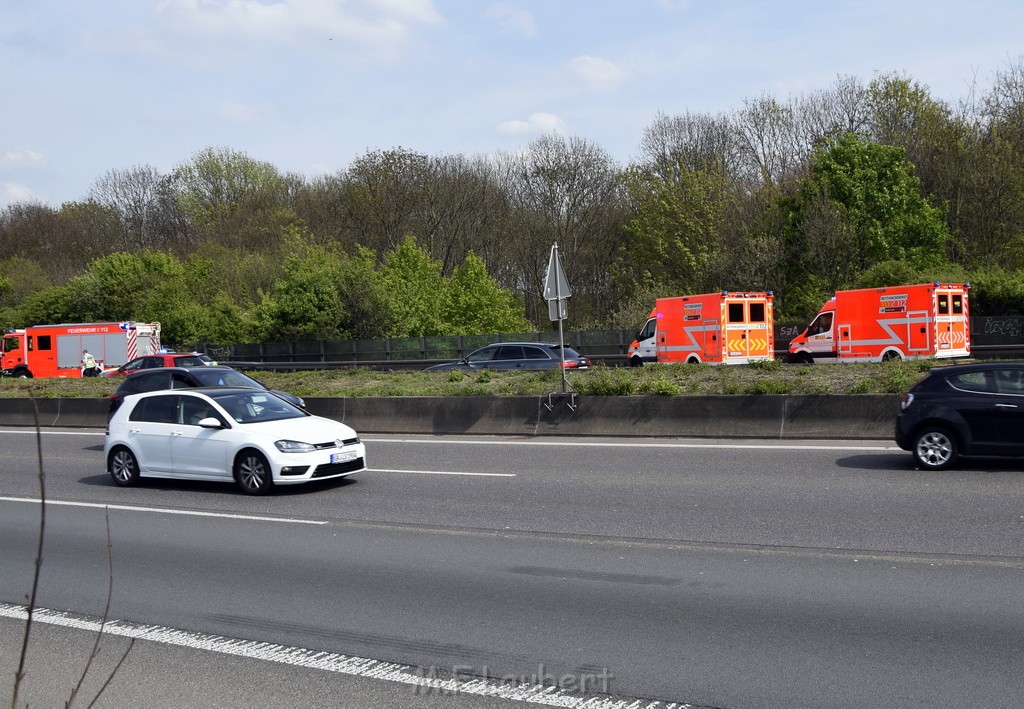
(513,18)
(11,193)
(22,158)
(596,74)
(536,123)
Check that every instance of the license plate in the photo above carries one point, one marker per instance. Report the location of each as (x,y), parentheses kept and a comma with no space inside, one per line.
(343,457)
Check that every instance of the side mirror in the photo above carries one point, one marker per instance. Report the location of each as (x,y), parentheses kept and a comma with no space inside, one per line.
(211,422)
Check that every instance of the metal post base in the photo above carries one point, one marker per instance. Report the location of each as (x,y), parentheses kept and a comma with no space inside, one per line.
(570,398)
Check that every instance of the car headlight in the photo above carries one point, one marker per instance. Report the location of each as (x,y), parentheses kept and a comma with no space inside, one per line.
(294,447)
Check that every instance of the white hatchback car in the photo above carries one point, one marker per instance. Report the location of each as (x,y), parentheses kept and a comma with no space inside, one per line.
(220,434)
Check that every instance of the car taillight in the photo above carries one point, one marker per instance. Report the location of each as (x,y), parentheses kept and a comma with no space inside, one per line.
(569,364)
(907,400)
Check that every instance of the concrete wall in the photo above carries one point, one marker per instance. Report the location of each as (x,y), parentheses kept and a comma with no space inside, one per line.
(865,416)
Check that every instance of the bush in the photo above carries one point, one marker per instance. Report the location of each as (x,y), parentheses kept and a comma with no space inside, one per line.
(864,386)
(660,387)
(767,365)
(897,382)
(771,386)
(605,383)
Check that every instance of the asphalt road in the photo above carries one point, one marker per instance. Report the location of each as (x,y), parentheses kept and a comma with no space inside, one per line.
(714,573)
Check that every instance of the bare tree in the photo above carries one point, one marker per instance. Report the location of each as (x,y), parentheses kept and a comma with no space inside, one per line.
(135,195)
(768,143)
(30,607)
(569,191)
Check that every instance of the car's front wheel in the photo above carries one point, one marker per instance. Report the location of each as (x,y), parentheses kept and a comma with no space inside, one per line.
(934,448)
(123,467)
(252,473)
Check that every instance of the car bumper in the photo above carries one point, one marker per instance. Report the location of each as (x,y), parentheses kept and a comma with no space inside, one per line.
(297,468)
(902,435)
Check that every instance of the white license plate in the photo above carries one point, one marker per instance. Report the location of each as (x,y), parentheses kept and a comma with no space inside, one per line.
(343,457)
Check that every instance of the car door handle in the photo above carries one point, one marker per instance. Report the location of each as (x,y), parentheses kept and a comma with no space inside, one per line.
(134,430)
(175,433)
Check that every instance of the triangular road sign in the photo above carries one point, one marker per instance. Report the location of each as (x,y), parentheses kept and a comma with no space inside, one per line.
(556,286)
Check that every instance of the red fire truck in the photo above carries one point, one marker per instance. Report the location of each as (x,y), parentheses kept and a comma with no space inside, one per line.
(56,350)
(717,328)
(894,322)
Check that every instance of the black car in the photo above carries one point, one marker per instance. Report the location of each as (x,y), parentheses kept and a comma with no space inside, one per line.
(966,409)
(189,378)
(517,355)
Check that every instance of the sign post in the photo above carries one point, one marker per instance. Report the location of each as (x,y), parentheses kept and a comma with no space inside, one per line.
(557,292)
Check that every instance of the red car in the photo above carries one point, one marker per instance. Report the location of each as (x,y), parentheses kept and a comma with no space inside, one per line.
(169,359)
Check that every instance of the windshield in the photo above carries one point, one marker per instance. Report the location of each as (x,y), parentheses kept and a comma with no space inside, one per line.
(256,406)
(482,355)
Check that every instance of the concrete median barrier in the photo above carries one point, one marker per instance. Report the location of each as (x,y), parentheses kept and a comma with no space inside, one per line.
(865,416)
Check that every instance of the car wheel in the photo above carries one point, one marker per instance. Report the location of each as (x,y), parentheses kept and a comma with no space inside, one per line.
(123,467)
(636,362)
(252,473)
(934,449)
(891,355)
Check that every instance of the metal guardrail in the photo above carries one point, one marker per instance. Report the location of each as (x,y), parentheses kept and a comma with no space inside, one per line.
(981,352)
(991,337)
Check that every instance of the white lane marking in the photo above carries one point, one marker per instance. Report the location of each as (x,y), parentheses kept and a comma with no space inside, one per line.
(189,513)
(632,443)
(539,694)
(638,444)
(441,472)
(53,433)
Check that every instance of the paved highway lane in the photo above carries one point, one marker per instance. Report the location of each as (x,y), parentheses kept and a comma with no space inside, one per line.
(717,573)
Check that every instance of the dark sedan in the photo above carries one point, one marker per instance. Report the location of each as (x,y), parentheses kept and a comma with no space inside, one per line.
(189,378)
(967,409)
(517,355)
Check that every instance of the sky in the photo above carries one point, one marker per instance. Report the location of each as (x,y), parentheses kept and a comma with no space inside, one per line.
(87,87)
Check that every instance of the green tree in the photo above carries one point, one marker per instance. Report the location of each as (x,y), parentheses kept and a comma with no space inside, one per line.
(415,289)
(475,304)
(324,294)
(219,187)
(673,235)
(304,304)
(865,198)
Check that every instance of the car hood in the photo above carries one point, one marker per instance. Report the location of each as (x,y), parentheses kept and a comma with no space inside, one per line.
(308,429)
(443,367)
(290,398)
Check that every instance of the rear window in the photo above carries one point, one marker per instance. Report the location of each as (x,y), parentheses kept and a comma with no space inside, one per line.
(190,361)
(224,378)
